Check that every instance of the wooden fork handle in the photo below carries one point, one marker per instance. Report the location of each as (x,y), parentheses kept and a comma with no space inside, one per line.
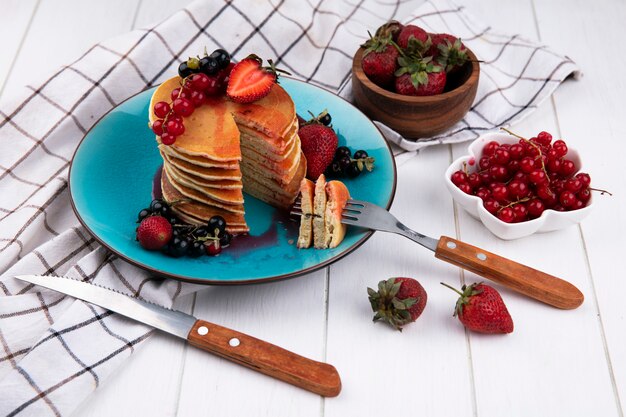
(318,377)
(521,278)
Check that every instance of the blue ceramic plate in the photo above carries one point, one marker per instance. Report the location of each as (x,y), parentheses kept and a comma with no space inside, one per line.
(111,180)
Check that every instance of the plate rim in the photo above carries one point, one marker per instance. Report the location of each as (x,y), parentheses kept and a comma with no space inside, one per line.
(275,278)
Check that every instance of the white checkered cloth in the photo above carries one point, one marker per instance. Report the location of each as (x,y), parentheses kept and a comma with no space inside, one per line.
(54,350)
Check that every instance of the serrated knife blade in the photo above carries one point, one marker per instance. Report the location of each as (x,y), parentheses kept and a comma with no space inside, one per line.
(318,377)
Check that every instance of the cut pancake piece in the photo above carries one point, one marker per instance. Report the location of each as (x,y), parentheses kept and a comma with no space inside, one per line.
(198,196)
(222,195)
(319,211)
(276,148)
(203,182)
(283,171)
(277,195)
(337,195)
(214,174)
(305,236)
(197,160)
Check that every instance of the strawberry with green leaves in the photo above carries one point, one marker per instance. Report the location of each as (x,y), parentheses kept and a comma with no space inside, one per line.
(398,301)
(250,81)
(414,40)
(380,59)
(318,143)
(480,308)
(448,51)
(419,77)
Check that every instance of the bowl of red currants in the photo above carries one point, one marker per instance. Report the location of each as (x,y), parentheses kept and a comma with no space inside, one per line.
(517,186)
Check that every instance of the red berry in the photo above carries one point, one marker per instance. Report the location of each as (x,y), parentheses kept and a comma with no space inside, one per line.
(491,205)
(176,93)
(519,175)
(520,212)
(199,82)
(499,173)
(537,177)
(174,128)
(516,151)
(506,215)
(567,168)
(483,193)
(584,195)
(535,208)
(458,177)
(183,107)
(490,148)
(167,138)
(512,166)
(466,188)
(527,164)
(560,148)
(215,87)
(473,180)
(213,247)
(157,127)
(545,193)
(485,178)
(502,156)
(578,204)
(584,178)
(154,232)
(567,199)
(574,185)
(198,98)
(161,109)
(544,138)
(499,192)
(518,190)
(484,162)
(554,165)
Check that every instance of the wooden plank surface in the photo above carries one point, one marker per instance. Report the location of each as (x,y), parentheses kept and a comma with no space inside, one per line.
(555,363)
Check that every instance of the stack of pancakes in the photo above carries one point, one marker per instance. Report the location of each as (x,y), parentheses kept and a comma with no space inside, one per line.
(228,148)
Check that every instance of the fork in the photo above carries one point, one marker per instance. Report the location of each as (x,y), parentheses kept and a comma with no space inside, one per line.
(521,278)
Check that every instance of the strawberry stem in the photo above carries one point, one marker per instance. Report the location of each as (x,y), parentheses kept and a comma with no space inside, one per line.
(452,288)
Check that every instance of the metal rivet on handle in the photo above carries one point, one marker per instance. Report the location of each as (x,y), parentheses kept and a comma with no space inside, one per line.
(202,330)
(234,342)
(451,245)
(481,256)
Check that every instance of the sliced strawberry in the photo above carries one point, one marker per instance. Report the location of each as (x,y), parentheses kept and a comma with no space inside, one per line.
(249,81)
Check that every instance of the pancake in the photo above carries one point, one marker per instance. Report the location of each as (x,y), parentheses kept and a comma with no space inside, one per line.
(222,195)
(319,212)
(338,195)
(203,182)
(198,160)
(305,235)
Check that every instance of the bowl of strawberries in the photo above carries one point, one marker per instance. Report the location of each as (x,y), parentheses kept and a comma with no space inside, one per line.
(418,83)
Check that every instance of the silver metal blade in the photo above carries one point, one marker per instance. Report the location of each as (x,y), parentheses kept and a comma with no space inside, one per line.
(170,321)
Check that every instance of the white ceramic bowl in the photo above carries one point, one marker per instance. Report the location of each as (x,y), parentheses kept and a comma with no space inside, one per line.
(548,221)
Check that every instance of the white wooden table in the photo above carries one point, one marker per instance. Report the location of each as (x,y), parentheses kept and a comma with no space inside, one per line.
(556,363)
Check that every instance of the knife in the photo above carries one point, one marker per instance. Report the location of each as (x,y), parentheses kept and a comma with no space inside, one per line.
(318,377)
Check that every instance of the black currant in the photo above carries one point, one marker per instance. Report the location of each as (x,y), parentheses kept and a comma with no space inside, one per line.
(352,170)
(325,119)
(196,249)
(360,154)
(156,205)
(344,162)
(342,151)
(216,222)
(184,71)
(173,219)
(201,231)
(143,214)
(209,65)
(222,57)
(334,169)
(225,239)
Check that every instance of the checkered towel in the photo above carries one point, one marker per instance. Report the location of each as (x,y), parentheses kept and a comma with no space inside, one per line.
(54,350)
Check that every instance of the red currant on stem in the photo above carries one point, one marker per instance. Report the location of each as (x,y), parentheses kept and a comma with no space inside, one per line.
(157,127)
(490,148)
(179,92)
(535,208)
(183,107)
(458,177)
(491,205)
(213,247)
(520,212)
(174,127)
(507,215)
(167,138)
(161,109)
(199,82)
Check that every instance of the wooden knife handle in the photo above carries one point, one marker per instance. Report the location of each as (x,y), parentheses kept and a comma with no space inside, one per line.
(521,278)
(318,377)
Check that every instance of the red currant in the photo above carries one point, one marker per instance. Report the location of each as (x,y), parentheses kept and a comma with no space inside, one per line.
(545,193)
(485,178)
(554,165)
(215,86)
(466,188)
(567,199)
(516,151)
(560,148)
(490,148)
(161,109)
(199,82)
(499,173)
(527,164)
(473,180)
(578,204)
(213,247)
(176,93)
(544,138)
(458,177)
(198,98)
(573,184)
(502,156)
(520,212)
(491,205)
(584,178)
(536,208)
(173,127)
(537,177)
(506,215)
(183,107)
(558,207)
(520,176)
(483,193)
(484,162)
(499,192)
(584,195)
(167,138)
(512,166)
(518,189)
(157,127)
(567,168)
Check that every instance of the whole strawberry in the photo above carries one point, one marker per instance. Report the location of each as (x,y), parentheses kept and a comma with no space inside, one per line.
(318,143)
(448,51)
(393,28)
(414,38)
(419,77)
(154,232)
(249,81)
(398,301)
(480,308)
(380,59)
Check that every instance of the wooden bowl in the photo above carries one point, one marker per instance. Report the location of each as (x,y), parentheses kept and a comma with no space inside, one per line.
(417,117)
